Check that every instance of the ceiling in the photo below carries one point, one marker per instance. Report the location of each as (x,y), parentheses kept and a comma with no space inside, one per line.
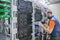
(52,1)
(43,3)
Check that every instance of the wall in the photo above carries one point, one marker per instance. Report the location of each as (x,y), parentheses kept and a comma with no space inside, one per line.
(55,8)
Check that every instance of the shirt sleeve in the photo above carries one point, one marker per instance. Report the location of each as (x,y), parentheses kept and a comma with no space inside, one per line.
(51,24)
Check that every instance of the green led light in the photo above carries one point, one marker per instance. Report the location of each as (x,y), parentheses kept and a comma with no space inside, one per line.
(7,10)
(4,10)
(5,16)
(6,0)
(1,10)
(5,5)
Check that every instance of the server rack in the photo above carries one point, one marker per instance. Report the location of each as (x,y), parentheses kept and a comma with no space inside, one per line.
(5,10)
(7,18)
(24,20)
(35,19)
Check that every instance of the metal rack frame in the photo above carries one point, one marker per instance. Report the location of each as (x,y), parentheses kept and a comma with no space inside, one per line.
(33,26)
(13,20)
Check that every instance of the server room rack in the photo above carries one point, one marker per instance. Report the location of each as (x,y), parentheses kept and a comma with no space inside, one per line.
(5,11)
(24,19)
(41,35)
(8,19)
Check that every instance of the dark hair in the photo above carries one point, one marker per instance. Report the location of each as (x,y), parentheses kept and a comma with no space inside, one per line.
(49,12)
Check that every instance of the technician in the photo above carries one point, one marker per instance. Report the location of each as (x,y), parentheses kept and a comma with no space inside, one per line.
(53,26)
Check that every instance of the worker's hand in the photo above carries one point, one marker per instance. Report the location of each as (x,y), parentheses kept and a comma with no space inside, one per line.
(40,24)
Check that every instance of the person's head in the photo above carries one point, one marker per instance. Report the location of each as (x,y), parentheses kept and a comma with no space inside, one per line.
(48,14)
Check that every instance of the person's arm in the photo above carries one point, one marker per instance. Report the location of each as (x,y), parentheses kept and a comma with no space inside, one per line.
(51,26)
